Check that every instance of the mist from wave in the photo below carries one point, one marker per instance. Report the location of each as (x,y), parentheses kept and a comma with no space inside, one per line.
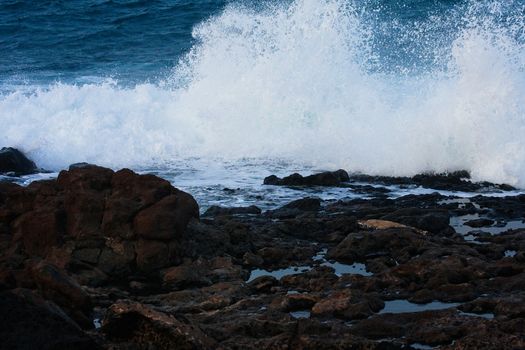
(326,83)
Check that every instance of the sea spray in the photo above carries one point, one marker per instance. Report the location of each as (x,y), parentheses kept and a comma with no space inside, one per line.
(313,81)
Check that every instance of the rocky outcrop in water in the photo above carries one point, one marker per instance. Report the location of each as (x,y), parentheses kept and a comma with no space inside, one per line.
(125,253)
(89,227)
(454,181)
(328,178)
(117,222)
(14,162)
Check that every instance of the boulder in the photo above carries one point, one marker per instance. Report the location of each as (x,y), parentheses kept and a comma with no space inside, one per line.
(30,322)
(395,242)
(131,193)
(92,217)
(434,221)
(15,162)
(151,255)
(145,328)
(166,219)
(56,285)
(39,230)
(185,276)
(349,305)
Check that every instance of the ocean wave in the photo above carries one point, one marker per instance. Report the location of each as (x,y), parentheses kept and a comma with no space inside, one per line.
(309,82)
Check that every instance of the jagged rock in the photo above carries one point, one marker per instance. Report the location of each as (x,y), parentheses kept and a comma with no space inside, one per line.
(15,162)
(348,305)
(59,287)
(430,220)
(30,322)
(117,222)
(296,208)
(145,328)
(294,302)
(166,219)
(452,181)
(328,178)
(215,210)
(39,230)
(151,255)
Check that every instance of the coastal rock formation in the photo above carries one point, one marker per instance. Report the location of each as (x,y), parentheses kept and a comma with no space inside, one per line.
(118,222)
(144,328)
(327,178)
(117,260)
(451,181)
(14,162)
(31,322)
(90,226)
(215,210)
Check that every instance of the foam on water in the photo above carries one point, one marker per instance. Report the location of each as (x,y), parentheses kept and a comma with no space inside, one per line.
(307,81)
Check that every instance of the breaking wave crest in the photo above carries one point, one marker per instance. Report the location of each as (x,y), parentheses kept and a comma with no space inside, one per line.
(327,83)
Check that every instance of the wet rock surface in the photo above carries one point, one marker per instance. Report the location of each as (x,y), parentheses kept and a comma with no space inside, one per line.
(13,162)
(328,178)
(118,260)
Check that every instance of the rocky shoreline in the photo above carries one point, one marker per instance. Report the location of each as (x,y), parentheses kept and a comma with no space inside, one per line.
(116,260)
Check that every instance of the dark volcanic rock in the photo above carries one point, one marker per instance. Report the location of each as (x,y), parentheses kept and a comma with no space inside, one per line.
(430,220)
(167,219)
(145,328)
(395,242)
(215,210)
(479,223)
(296,208)
(130,246)
(57,286)
(14,161)
(453,181)
(116,222)
(30,322)
(328,178)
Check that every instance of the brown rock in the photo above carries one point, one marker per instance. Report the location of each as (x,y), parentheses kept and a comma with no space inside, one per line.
(348,305)
(30,322)
(117,258)
(294,302)
(263,283)
(145,328)
(186,276)
(168,218)
(131,193)
(59,287)
(39,231)
(151,255)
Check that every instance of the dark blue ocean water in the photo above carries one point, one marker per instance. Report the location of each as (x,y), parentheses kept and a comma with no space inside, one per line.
(141,40)
(132,39)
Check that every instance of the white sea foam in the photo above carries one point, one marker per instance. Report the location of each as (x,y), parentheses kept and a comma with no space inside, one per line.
(303,82)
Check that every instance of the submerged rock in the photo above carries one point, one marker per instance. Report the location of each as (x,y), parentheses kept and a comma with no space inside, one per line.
(479,223)
(15,162)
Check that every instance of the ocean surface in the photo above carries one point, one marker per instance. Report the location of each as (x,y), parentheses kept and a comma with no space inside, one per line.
(219,94)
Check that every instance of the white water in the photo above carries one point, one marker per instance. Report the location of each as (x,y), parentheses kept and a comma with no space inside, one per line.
(300,83)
